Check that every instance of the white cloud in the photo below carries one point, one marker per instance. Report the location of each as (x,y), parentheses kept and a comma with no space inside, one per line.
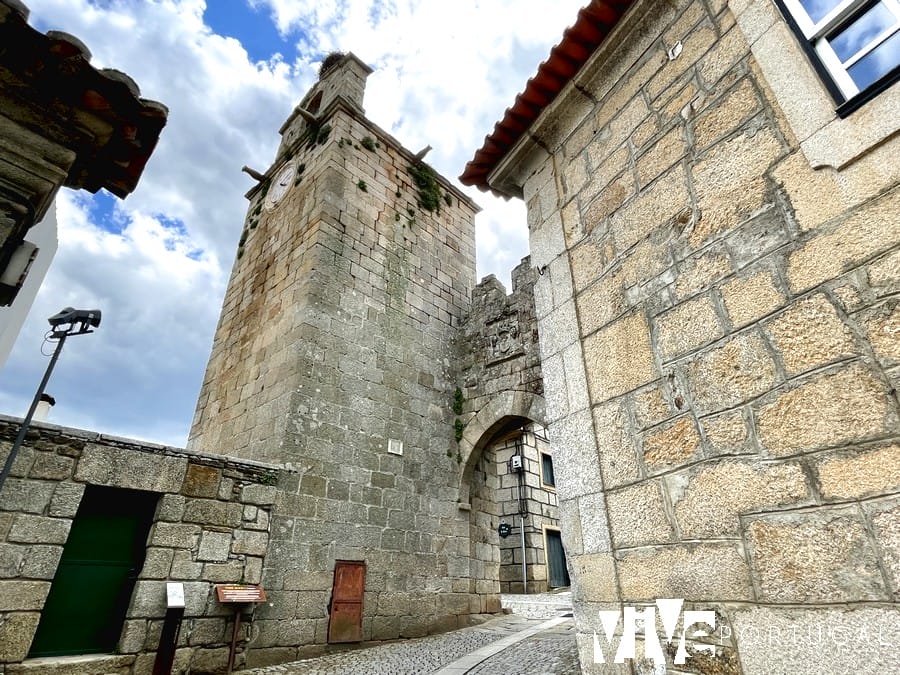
(444,73)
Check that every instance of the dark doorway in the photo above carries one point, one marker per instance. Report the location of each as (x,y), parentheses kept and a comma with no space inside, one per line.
(556,560)
(345,624)
(104,553)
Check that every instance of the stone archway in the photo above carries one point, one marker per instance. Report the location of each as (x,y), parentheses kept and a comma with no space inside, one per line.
(480,484)
(501,409)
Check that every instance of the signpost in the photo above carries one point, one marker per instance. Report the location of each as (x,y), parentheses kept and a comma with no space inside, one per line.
(168,639)
(238,595)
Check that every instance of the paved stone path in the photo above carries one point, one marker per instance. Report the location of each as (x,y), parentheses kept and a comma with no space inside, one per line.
(507,645)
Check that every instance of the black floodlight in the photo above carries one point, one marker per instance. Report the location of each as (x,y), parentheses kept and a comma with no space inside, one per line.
(71,321)
(68,321)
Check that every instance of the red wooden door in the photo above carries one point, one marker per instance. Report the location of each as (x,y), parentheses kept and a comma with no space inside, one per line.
(345,624)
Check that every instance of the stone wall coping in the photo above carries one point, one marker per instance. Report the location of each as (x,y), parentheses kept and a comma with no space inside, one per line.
(244,465)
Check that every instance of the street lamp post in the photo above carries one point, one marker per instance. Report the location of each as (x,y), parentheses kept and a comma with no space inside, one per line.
(63,324)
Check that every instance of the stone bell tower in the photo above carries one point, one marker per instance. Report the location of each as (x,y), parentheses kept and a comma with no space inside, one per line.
(334,355)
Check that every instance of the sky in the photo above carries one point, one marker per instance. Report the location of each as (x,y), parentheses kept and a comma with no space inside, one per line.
(230,72)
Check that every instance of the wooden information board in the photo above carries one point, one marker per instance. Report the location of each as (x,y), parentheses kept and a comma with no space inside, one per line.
(240,593)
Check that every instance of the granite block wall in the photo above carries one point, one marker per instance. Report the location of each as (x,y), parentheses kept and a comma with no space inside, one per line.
(730,305)
(211,525)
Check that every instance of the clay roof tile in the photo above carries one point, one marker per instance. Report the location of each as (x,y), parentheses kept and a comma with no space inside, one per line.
(594,23)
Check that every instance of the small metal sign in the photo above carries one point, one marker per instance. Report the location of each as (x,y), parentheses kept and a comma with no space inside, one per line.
(504,530)
(240,593)
(175,595)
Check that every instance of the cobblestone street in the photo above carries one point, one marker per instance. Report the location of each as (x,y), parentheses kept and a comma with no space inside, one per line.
(507,645)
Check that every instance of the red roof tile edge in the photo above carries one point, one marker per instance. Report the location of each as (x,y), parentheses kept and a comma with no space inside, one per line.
(117,165)
(595,21)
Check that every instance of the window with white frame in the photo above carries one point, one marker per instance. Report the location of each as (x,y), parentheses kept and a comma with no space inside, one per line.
(856,42)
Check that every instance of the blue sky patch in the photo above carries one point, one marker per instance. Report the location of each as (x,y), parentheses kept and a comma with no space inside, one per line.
(103,213)
(253,28)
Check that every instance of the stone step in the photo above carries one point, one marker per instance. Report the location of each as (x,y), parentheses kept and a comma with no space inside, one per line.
(538,605)
(93,664)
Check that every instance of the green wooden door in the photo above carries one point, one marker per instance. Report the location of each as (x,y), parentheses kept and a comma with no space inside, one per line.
(93,583)
(556,560)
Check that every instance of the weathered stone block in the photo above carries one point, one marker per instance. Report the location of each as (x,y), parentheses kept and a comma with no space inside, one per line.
(733,373)
(619,358)
(214,546)
(11,557)
(174,535)
(170,508)
(709,500)
(650,408)
(618,457)
(231,572)
(637,516)
(250,543)
(213,512)
(820,556)
(871,228)
(883,330)
(595,536)
(810,334)
(207,631)
(715,571)
(29,529)
(50,466)
(860,473)
(575,458)
(41,562)
(814,195)
(815,641)
(26,496)
(66,499)
(262,495)
(656,204)
(662,155)
(699,272)
(729,181)
(101,465)
(16,633)
(727,434)
(884,274)
(157,563)
(826,411)
(688,326)
(18,595)
(305,580)
(599,304)
(134,634)
(589,259)
(885,518)
(144,663)
(184,566)
(608,200)
(595,575)
(253,570)
(723,117)
(748,299)
(201,481)
(674,444)
(210,660)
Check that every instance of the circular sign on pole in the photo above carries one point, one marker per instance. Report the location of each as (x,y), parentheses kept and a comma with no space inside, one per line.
(504,530)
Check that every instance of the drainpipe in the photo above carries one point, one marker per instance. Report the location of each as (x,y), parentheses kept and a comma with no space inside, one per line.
(524,564)
(523,510)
